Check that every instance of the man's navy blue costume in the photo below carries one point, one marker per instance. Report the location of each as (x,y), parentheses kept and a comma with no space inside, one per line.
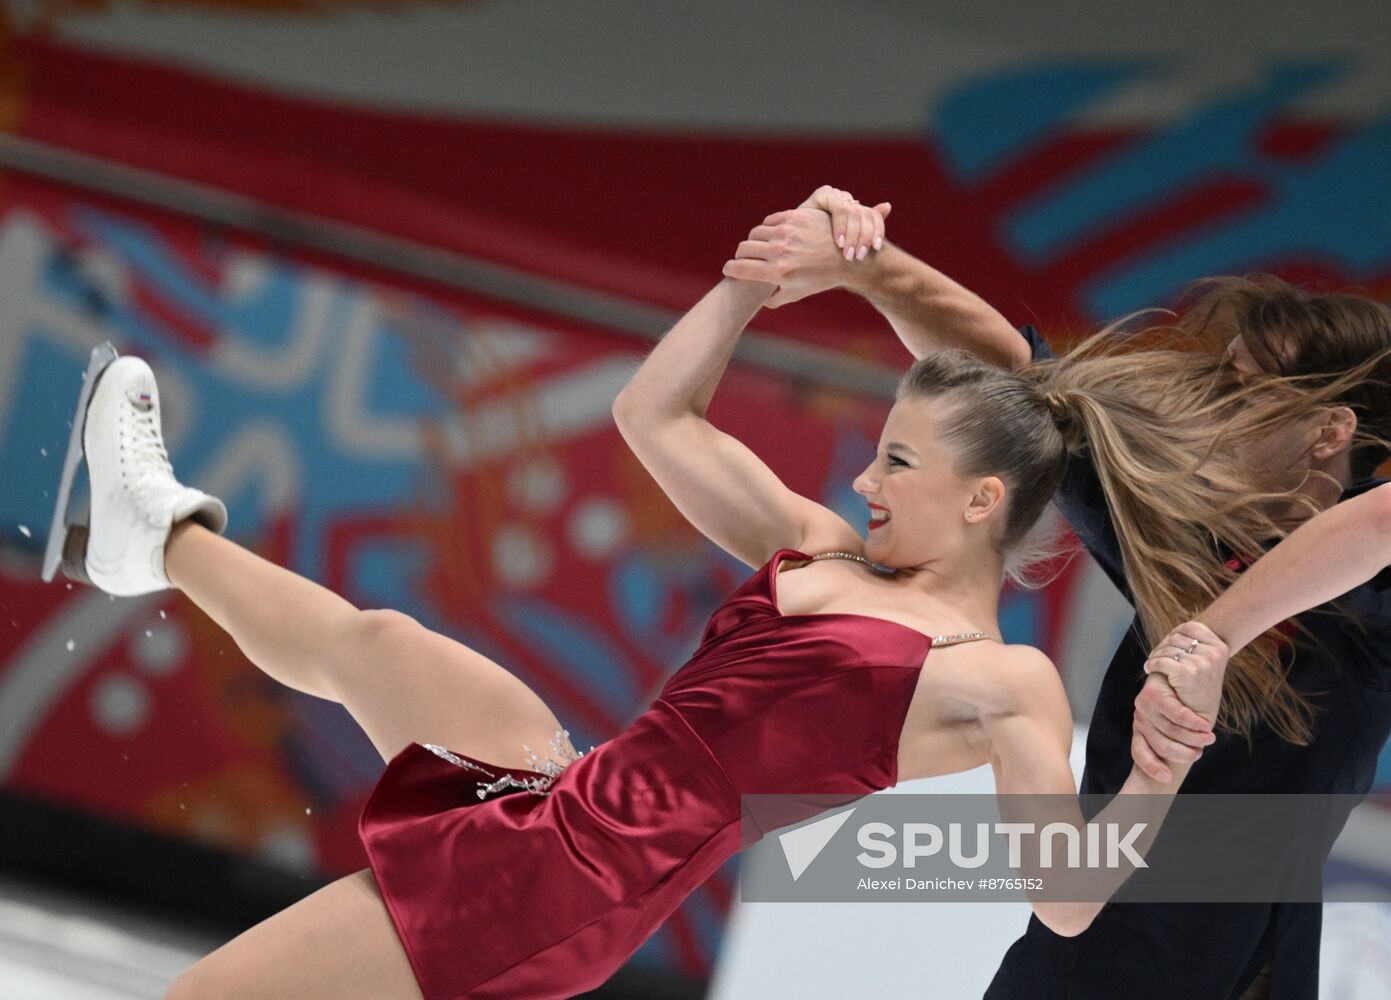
(1211,951)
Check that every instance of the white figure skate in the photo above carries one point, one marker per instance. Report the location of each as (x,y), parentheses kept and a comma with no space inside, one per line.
(135,499)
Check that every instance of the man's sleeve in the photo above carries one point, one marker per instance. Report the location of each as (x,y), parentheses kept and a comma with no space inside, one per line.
(1081,500)
(1372,601)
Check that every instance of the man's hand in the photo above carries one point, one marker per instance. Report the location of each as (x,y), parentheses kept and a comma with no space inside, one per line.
(1165,729)
(1192,660)
(798,250)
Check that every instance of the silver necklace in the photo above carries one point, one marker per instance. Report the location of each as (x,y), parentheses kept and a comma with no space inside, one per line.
(937,640)
(858,558)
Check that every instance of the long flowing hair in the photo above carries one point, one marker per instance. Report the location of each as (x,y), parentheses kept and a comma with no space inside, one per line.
(1171,426)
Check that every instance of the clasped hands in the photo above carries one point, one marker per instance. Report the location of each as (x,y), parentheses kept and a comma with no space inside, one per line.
(811,248)
(1177,708)
(817,246)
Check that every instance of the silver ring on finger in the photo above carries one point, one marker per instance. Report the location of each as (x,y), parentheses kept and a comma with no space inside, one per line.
(1191,646)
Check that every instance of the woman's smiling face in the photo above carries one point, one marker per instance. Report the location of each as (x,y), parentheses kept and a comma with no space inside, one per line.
(914,482)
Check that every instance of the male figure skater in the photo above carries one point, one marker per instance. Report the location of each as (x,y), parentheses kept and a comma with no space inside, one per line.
(1140,950)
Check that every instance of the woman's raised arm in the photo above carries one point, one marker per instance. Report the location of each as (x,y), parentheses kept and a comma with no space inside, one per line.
(714,480)
(1029,731)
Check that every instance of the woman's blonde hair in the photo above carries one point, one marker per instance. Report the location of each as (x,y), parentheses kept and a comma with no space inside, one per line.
(1167,419)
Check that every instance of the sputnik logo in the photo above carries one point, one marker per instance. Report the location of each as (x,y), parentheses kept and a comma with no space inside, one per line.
(801,846)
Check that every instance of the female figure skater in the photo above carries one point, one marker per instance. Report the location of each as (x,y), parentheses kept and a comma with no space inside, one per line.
(493,875)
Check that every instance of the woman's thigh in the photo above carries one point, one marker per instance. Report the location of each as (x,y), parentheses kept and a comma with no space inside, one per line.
(404,683)
(336,943)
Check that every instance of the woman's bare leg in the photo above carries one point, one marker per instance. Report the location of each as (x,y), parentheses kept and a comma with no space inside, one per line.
(337,943)
(400,681)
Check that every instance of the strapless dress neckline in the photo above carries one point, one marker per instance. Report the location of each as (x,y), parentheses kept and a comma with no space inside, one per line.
(773,601)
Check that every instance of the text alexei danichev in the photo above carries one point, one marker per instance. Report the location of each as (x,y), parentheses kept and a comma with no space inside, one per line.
(951,884)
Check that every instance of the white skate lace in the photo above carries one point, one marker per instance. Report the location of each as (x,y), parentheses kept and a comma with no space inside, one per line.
(154,474)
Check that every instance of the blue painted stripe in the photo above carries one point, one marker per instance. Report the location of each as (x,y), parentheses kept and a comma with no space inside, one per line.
(1217,139)
(982,125)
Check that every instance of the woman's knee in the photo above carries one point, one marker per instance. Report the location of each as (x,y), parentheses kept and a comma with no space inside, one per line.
(362,644)
(376,635)
(382,628)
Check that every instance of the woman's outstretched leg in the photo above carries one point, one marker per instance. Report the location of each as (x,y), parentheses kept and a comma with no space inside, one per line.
(289,626)
(400,681)
(337,943)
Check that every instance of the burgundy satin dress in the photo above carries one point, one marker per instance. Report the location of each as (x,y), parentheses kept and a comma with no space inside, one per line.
(546,890)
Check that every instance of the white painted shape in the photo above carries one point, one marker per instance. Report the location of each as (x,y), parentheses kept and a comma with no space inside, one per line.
(261,451)
(159,650)
(350,424)
(120,704)
(245,274)
(598,527)
(289,847)
(106,270)
(286,366)
(565,406)
(40,672)
(537,485)
(490,348)
(522,558)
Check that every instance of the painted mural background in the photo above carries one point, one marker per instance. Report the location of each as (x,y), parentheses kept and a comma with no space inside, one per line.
(453,456)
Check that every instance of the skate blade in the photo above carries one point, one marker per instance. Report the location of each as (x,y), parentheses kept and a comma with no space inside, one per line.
(58,549)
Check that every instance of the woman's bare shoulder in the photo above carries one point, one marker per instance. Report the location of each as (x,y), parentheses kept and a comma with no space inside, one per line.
(1018,678)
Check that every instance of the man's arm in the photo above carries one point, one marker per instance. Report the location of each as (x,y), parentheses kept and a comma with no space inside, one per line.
(1327,556)
(1342,552)
(930,311)
(797,251)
